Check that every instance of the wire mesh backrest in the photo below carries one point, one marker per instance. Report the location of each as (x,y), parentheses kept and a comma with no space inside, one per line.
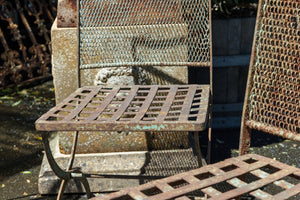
(272,99)
(144,33)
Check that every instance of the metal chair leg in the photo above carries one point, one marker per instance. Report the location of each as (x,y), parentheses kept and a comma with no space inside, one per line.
(73,151)
(86,186)
(61,189)
(201,161)
(245,140)
(54,166)
(65,175)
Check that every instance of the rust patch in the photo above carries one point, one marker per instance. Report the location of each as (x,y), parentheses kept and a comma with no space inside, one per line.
(67,13)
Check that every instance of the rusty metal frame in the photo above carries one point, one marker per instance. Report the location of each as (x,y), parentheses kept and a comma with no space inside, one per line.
(208,64)
(127,108)
(186,121)
(287,16)
(249,174)
(224,172)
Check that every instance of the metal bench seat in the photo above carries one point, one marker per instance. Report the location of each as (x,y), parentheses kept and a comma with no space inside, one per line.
(130,108)
(249,176)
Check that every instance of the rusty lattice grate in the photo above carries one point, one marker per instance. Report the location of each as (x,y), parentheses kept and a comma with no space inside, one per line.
(251,176)
(131,108)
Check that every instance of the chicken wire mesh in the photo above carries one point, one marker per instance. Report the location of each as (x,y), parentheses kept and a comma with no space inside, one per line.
(274,90)
(144,33)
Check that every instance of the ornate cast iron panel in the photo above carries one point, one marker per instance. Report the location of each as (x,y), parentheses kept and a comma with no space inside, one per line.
(25,40)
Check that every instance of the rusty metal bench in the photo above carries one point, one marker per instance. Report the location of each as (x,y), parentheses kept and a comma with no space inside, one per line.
(127,108)
(271,105)
(136,34)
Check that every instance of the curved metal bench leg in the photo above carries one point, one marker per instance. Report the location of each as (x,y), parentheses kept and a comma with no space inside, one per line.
(86,186)
(64,175)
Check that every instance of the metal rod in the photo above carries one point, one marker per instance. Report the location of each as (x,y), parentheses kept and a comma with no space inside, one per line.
(210,90)
(61,189)
(142,64)
(118,176)
(272,129)
(73,151)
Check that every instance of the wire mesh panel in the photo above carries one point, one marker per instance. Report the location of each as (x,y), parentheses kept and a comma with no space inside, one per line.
(274,81)
(144,33)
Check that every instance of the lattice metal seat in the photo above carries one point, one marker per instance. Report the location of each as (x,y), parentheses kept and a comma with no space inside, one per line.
(136,34)
(130,108)
(249,176)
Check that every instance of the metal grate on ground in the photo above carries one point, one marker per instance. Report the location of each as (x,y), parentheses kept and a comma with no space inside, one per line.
(250,176)
(130,108)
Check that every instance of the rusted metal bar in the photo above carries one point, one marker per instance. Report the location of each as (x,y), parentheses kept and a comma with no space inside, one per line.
(46,9)
(35,49)
(12,64)
(210,107)
(146,64)
(273,130)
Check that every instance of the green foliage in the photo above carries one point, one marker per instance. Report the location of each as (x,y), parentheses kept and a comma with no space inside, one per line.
(234,8)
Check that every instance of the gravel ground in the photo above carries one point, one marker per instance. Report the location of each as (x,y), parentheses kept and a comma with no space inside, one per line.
(21,146)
